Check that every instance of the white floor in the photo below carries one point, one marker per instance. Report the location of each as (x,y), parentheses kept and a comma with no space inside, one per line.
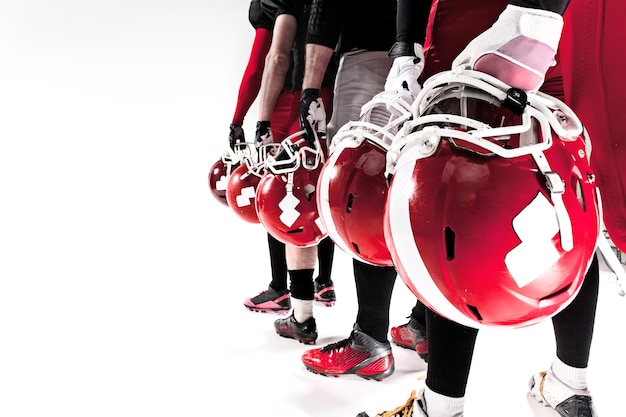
(276,382)
(122,280)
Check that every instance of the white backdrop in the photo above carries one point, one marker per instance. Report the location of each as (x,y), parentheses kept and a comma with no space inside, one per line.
(121,279)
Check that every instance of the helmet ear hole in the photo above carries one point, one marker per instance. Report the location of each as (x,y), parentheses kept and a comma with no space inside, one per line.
(475,312)
(356,247)
(350,202)
(309,192)
(556,293)
(449,239)
(577,186)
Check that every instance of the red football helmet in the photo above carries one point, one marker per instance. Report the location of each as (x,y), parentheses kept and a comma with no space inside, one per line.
(218,179)
(352,185)
(285,199)
(493,213)
(243,183)
(223,167)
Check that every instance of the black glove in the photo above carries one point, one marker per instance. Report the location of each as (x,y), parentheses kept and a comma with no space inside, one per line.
(263,134)
(312,115)
(236,136)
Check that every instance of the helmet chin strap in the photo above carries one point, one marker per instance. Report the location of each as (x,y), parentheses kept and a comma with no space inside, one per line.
(556,187)
(289,185)
(289,215)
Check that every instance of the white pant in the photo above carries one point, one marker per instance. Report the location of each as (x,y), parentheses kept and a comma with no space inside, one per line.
(360,76)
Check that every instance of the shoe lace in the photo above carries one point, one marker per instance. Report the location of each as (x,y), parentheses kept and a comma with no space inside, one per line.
(336,346)
(269,291)
(405,410)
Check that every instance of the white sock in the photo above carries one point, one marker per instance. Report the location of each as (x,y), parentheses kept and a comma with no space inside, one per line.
(438,405)
(302,309)
(573,377)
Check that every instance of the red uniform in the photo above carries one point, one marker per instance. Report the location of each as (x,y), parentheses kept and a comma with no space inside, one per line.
(588,76)
(595,87)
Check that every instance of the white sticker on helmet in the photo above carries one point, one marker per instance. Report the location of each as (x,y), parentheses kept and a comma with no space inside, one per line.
(245,198)
(288,206)
(535,226)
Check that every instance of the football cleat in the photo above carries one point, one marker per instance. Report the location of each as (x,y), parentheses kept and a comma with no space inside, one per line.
(359,354)
(271,301)
(411,335)
(547,389)
(303,332)
(413,407)
(325,293)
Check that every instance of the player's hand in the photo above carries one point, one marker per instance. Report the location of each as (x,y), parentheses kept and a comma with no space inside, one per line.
(263,135)
(236,137)
(312,115)
(408,65)
(518,49)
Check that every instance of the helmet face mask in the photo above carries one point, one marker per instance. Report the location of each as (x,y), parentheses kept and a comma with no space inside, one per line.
(293,152)
(464,101)
(491,217)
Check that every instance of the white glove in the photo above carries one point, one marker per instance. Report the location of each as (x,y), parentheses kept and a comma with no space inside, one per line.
(405,71)
(518,49)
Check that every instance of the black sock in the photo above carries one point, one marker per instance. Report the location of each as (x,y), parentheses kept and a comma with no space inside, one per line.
(419,313)
(278,263)
(301,284)
(573,327)
(374,285)
(325,255)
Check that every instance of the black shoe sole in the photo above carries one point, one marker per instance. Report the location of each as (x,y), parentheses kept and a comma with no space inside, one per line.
(306,341)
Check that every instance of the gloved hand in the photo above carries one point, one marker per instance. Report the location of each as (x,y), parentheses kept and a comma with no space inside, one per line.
(263,135)
(236,136)
(518,49)
(312,115)
(408,65)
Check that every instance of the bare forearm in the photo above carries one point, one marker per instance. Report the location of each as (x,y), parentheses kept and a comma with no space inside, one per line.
(276,68)
(277,64)
(317,59)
